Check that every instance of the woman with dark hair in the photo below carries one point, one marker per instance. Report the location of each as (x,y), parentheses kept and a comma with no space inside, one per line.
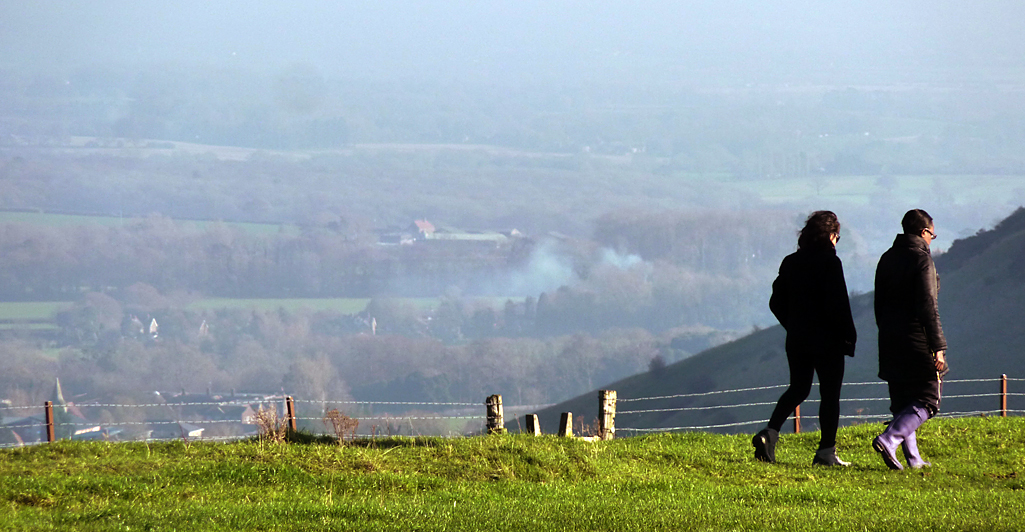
(809,298)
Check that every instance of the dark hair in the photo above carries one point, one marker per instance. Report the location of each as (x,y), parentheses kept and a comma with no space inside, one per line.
(915,221)
(817,229)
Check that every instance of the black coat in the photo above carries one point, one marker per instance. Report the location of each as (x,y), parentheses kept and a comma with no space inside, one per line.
(907,313)
(809,298)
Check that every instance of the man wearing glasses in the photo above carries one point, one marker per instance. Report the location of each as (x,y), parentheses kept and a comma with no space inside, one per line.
(911,342)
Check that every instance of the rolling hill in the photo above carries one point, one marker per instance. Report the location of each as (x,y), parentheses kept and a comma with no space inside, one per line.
(982,305)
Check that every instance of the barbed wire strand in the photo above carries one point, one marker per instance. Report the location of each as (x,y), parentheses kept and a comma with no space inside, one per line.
(864,416)
(395,418)
(701,394)
(183,422)
(403,403)
(691,408)
(776,386)
(259,403)
(173,405)
(694,427)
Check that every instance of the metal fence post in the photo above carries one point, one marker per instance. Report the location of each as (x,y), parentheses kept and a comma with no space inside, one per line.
(797,420)
(51,435)
(1003,395)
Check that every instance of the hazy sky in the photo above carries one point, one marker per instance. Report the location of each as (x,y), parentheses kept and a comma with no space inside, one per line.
(525,40)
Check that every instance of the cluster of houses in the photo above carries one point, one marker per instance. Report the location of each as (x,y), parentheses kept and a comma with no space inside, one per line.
(162,416)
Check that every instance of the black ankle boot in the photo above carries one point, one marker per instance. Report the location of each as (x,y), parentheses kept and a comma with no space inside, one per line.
(828,457)
(765,445)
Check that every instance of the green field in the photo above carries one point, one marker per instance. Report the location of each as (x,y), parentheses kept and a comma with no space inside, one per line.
(343,305)
(863,190)
(693,481)
(73,220)
(20,312)
(31,310)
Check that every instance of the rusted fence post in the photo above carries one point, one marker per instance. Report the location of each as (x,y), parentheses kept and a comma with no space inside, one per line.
(606,414)
(533,425)
(566,425)
(797,420)
(495,416)
(290,412)
(1003,395)
(51,434)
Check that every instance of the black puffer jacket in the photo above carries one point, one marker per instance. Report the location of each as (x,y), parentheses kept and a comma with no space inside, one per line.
(809,298)
(907,312)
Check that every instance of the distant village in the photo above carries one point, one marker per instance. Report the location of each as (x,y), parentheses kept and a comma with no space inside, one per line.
(168,415)
(162,416)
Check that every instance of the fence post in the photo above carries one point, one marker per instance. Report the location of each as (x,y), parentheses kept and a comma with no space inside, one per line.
(607,414)
(290,412)
(797,420)
(495,416)
(51,435)
(1003,395)
(533,425)
(566,425)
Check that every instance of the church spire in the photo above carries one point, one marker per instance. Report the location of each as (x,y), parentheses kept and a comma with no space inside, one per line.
(58,395)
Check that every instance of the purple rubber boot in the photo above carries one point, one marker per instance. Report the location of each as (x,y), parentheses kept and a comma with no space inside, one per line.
(903,425)
(910,448)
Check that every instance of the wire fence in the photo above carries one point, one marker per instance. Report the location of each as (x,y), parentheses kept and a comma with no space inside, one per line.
(960,408)
(239,418)
(235,419)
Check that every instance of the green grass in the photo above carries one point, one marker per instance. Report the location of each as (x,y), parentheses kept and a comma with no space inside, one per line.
(342,305)
(20,312)
(76,220)
(690,481)
(860,190)
(31,310)
(28,327)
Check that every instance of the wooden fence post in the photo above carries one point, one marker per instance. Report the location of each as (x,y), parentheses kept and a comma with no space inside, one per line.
(1003,395)
(51,435)
(290,412)
(533,425)
(797,420)
(606,414)
(566,425)
(495,416)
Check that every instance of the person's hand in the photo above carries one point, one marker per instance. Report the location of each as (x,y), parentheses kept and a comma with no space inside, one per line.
(940,360)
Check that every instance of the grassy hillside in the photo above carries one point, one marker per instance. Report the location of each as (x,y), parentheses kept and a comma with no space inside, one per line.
(661,482)
(982,305)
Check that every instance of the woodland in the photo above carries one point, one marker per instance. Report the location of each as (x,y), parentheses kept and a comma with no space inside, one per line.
(652,219)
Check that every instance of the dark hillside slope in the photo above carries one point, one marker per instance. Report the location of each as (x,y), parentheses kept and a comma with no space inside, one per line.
(982,304)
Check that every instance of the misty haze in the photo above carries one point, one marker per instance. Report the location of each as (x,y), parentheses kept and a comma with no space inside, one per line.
(439,201)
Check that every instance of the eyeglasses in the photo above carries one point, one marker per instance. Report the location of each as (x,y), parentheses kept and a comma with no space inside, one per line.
(930,232)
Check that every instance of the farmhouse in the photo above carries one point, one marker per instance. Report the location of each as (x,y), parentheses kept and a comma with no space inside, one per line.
(425,232)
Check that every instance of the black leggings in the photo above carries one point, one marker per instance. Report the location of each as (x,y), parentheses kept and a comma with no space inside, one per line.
(802,367)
